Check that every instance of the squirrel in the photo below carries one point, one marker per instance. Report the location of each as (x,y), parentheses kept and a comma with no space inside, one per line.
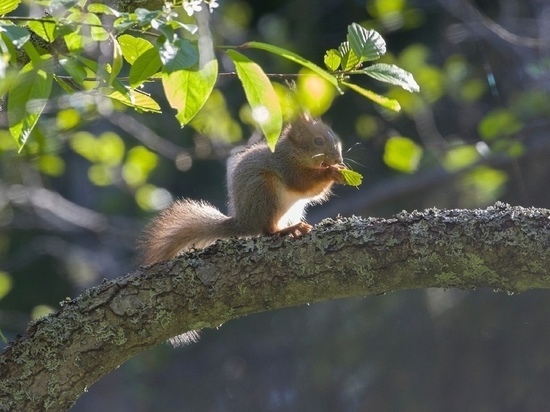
(268,193)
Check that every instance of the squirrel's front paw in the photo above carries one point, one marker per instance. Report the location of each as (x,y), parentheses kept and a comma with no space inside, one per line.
(336,173)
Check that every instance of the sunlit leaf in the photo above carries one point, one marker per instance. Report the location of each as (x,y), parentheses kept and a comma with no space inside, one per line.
(85,144)
(499,122)
(392,74)
(366,44)
(381,100)
(332,59)
(97,31)
(314,93)
(279,51)
(51,165)
(484,184)
(401,153)
(101,175)
(133,47)
(68,118)
(44,28)
(116,66)
(147,64)
(140,162)
(459,157)
(188,90)
(110,149)
(138,100)
(103,9)
(351,177)
(32,53)
(93,22)
(74,42)
(266,109)
(7,6)
(28,96)
(177,55)
(349,59)
(40,311)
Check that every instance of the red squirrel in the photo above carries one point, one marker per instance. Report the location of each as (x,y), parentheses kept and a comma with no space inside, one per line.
(268,193)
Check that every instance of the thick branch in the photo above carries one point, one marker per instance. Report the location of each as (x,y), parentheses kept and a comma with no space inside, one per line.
(59,356)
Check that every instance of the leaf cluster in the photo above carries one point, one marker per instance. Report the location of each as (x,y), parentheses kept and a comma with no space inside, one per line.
(155,45)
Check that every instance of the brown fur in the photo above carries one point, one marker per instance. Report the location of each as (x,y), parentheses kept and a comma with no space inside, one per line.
(268,193)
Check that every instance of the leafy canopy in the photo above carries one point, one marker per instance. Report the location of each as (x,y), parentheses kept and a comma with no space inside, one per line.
(151,45)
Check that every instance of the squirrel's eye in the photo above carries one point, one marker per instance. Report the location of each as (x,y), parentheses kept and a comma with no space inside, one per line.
(319,141)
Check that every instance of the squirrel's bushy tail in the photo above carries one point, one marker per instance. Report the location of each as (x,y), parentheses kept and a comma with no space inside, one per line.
(183,225)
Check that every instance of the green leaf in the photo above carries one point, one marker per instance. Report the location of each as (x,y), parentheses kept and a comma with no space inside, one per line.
(32,52)
(65,85)
(147,64)
(366,44)
(6,284)
(351,177)
(279,51)
(187,90)
(102,9)
(401,153)
(89,63)
(74,68)
(392,74)
(498,123)
(266,109)
(17,35)
(28,96)
(97,33)
(74,42)
(177,55)
(459,157)
(144,16)
(125,21)
(7,6)
(381,100)
(116,66)
(138,100)
(133,47)
(44,28)
(332,59)
(349,59)
(123,90)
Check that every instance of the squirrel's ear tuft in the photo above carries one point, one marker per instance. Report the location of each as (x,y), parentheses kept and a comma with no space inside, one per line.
(305,116)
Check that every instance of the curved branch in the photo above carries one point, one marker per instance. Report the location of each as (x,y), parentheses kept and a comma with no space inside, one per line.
(59,356)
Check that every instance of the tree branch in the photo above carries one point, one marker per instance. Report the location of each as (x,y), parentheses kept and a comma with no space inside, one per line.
(59,356)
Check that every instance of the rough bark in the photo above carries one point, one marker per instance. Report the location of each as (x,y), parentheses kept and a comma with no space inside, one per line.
(59,356)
